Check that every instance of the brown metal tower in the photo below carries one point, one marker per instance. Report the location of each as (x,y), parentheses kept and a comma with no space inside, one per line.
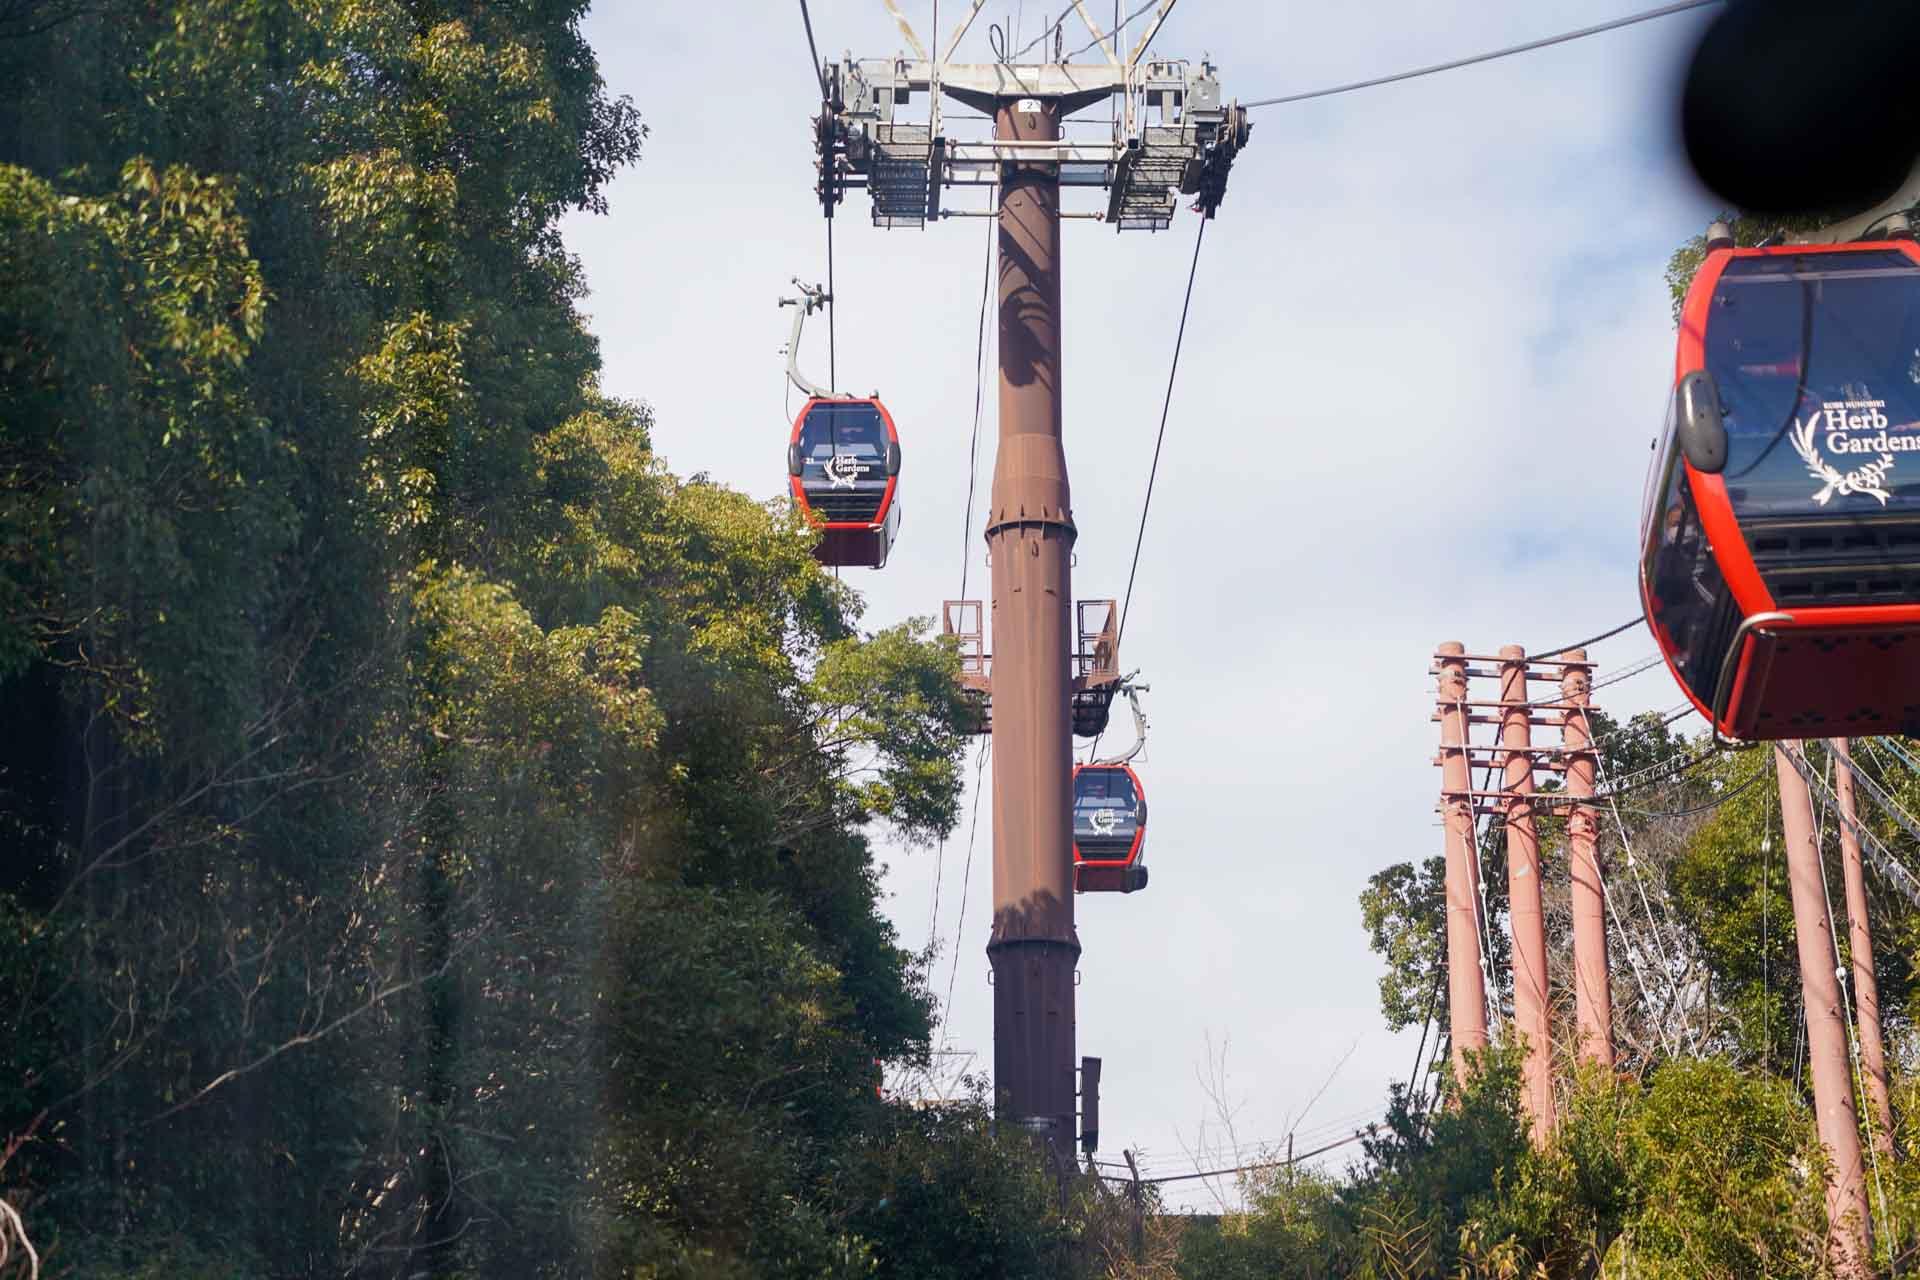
(1044,682)
(1034,948)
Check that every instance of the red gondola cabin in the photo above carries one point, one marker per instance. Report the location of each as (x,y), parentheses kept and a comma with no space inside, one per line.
(844,464)
(1109,829)
(1781,533)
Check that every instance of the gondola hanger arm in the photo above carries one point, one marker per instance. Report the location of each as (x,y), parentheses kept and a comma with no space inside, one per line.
(1133,692)
(812,298)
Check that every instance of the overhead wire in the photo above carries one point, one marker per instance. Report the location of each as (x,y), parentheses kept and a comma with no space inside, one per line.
(1117,28)
(1258,1164)
(966,537)
(833,346)
(1893,744)
(966,879)
(1598,28)
(1639,884)
(1159,439)
(1840,974)
(1608,634)
(1714,803)
(1238,1151)
(1886,863)
(1606,895)
(1882,859)
(1166,407)
(979,386)
(820,82)
(1064,14)
(819,73)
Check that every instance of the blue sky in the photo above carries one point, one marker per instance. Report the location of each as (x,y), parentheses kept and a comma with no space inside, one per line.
(1410,291)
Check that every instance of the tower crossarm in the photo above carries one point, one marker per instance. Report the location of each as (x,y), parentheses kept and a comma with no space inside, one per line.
(1173,134)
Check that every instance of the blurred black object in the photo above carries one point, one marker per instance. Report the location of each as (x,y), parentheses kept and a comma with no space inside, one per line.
(1805,106)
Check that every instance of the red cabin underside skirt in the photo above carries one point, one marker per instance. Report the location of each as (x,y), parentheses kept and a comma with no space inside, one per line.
(1108,877)
(1818,682)
(852,548)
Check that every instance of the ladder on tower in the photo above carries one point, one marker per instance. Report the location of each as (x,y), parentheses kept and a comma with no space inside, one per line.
(1147,179)
(902,157)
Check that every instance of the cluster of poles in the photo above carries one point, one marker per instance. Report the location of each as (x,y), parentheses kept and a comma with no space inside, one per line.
(1844,1045)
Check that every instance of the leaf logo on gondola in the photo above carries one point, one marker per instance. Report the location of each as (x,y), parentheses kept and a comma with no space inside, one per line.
(1104,821)
(1869,479)
(843,469)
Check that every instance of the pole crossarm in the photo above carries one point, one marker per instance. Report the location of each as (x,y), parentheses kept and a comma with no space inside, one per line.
(1176,135)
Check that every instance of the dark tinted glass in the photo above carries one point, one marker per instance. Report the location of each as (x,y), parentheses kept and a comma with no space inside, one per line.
(1688,596)
(844,442)
(1106,813)
(1817,361)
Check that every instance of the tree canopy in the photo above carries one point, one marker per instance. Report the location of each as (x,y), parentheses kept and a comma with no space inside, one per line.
(439,841)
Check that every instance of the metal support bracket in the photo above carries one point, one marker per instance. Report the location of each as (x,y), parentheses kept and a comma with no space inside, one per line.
(1174,135)
(1133,692)
(812,298)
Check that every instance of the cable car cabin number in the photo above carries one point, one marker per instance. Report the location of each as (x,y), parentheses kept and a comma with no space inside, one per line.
(1781,526)
(1109,829)
(843,461)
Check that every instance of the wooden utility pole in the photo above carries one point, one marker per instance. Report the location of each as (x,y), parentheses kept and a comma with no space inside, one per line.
(1592,979)
(1530,1010)
(1849,1228)
(1866,986)
(1466,988)
(1136,1194)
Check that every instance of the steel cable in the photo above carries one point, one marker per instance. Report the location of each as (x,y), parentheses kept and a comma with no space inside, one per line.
(1166,406)
(1597,29)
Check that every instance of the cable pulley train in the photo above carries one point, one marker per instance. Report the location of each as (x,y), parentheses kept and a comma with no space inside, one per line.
(843,460)
(1110,816)
(1781,525)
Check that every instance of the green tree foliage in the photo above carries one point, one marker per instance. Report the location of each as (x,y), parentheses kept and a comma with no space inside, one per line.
(1702,1161)
(1403,907)
(1703,1172)
(438,844)
(1748,229)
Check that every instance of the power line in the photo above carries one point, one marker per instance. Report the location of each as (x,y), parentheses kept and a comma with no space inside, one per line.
(966,535)
(1632,669)
(1509,51)
(1876,851)
(1119,26)
(1251,1149)
(1634,621)
(1715,803)
(966,879)
(1258,1165)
